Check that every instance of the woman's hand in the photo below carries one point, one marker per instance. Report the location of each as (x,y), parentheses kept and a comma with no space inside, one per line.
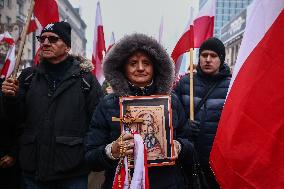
(123,146)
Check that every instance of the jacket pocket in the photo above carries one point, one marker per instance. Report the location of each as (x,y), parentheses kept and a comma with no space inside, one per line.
(69,153)
(27,153)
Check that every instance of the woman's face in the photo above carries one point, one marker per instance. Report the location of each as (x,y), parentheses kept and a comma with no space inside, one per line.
(139,69)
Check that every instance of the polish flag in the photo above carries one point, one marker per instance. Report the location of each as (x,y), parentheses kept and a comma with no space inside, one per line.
(203,25)
(111,42)
(98,45)
(45,12)
(140,179)
(248,147)
(184,43)
(7,38)
(10,60)
(199,30)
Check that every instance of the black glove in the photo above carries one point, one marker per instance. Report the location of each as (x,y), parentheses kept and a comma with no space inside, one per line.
(194,128)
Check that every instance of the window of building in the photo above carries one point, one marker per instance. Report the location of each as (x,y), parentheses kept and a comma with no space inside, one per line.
(226,4)
(1,3)
(21,8)
(9,3)
(239,4)
(8,20)
(29,53)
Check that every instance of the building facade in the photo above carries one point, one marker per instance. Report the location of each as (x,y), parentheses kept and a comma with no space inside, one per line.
(225,11)
(232,35)
(12,19)
(72,15)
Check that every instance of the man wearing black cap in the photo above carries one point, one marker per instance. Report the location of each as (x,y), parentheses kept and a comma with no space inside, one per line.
(211,84)
(54,102)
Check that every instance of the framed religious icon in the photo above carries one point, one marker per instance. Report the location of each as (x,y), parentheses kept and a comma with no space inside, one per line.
(155,125)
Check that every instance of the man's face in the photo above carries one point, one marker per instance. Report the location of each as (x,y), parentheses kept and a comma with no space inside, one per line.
(209,62)
(139,69)
(53,48)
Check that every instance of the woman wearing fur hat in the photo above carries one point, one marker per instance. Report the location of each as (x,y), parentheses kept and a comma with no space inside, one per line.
(212,73)
(136,66)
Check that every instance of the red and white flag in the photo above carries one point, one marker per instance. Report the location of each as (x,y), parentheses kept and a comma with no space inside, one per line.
(140,178)
(203,25)
(111,42)
(10,60)
(248,148)
(198,31)
(98,45)
(45,12)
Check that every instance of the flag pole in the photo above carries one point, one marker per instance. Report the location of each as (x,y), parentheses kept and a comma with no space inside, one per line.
(191,108)
(23,39)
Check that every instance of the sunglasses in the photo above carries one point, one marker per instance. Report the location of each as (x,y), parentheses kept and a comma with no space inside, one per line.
(51,39)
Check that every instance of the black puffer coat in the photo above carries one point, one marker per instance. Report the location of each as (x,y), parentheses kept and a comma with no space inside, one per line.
(210,112)
(103,131)
(55,120)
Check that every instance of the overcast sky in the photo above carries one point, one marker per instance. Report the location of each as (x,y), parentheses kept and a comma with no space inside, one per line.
(143,16)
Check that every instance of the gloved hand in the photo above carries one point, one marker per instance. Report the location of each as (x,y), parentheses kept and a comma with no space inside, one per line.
(194,128)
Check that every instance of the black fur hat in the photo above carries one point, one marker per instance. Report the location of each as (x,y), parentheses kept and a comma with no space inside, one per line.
(216,45)
(62,29)
(117,56)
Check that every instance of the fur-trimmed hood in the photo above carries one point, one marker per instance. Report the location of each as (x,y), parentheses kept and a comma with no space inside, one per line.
(116,58)
(85,64)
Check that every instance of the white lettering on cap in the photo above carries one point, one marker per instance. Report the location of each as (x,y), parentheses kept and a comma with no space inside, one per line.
(49,27)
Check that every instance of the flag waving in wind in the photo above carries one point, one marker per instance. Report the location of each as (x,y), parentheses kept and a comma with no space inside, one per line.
(98,45)
(45,12)
(10,57)
(198,31)
(248,147)
(111,42)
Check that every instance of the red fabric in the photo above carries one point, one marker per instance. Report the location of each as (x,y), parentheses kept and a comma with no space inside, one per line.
(46,12)
(32,27)
(99,47)
(100,42)
(147,184)
(8,40)
(248,148)
(4,70)
(9,64)
(122,173)
(184,44)
(203,29)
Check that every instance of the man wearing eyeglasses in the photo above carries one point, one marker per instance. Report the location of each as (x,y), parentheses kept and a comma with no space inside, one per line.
(54,102)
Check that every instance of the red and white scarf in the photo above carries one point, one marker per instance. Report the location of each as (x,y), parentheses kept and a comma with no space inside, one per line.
(140,176)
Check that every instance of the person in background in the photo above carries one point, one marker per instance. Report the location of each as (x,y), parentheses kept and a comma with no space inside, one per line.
(212,78)
(107,89)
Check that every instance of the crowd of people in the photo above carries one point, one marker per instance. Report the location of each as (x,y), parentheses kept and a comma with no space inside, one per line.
(60,118)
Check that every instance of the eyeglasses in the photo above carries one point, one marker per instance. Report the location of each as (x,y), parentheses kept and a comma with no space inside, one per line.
(51,39)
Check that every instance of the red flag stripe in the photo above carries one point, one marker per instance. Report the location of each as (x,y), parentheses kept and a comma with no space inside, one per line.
(98,46)
(247,151)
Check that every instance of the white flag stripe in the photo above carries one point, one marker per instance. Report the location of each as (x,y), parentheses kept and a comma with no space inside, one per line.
(259,25)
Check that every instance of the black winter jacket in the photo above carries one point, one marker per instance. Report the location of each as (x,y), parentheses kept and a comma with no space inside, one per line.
(55,120)
(210,112)
(103,131)
(9,132)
